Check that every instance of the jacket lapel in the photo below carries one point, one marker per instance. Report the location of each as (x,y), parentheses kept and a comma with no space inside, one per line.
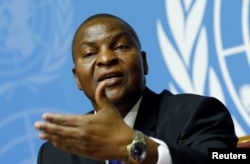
(148,113)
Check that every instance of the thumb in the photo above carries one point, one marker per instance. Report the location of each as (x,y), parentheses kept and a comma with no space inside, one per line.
(102,101)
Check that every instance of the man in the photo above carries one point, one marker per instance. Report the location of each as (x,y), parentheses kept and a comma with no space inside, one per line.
(129,123)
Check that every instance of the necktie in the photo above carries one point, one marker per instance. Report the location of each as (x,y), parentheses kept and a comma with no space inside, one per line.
(115,162)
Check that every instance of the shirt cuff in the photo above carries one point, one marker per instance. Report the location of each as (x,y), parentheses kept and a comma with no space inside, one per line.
(164,156)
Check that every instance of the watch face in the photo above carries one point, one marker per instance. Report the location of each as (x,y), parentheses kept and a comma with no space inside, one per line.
(138,151)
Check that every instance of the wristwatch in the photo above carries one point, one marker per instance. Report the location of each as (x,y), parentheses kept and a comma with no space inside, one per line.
(137,149)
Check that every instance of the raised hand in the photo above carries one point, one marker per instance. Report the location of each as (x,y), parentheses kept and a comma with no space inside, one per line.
(103,135)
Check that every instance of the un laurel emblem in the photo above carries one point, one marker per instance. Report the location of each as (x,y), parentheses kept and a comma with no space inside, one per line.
(34,39)
(185,47)
(233,53)
(20,144)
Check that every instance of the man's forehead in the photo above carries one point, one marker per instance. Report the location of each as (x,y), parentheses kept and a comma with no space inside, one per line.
(101,29)
(92,28)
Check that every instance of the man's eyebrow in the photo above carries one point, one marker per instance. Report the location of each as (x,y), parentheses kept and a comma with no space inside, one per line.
(128,35)
(119,35)
(88,43)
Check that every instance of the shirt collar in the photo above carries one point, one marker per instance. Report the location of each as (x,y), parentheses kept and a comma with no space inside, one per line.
(129,119)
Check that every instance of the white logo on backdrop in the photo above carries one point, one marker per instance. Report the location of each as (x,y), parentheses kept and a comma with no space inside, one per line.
(21,135)
(189,51)
(240,94)
(34,38)
(185,51)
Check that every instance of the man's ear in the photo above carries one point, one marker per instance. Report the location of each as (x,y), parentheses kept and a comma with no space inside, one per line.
(76,79)
(145,63)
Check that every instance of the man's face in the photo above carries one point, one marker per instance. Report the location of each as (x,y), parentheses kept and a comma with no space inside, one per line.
(106,51)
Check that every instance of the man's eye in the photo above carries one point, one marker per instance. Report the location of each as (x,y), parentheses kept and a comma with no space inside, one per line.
(89,54)
(120,47)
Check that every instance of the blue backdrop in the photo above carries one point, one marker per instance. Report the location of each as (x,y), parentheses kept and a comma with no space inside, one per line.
(196,46)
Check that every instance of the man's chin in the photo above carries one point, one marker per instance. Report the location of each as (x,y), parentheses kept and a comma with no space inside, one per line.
(113,95)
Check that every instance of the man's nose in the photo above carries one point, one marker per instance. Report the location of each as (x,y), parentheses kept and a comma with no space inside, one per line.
(106,58)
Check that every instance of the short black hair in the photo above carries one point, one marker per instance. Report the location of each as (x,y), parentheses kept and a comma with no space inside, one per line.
(105,15)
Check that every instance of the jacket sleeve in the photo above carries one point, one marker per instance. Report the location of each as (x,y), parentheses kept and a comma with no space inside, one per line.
(196,123)
(48,154)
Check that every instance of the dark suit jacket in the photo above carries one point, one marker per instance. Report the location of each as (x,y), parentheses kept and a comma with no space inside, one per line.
(189,124)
